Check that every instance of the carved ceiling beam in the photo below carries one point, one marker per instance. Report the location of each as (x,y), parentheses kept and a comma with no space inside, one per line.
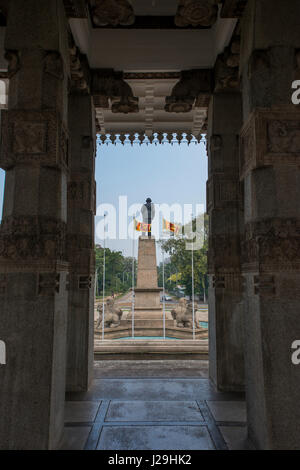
(79,70)
(233,8)
(193,88)
(109,89)
(112,12)
(196,13)
(76,8)
(226,71)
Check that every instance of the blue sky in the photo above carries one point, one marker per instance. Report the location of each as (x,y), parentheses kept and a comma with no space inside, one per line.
(166,173)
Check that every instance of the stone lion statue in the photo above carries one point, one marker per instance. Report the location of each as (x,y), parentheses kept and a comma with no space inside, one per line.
(183,314)
(112,315)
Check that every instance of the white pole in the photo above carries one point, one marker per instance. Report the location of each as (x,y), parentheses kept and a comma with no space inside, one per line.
(193,293)
(132,288)
(164,305)
(103,285)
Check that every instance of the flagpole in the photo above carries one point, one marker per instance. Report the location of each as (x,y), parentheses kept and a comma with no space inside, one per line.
(103,286)
(132,289)
(164,305)
(193,290)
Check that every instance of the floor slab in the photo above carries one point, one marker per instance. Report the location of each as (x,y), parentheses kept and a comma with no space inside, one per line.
(155,438)
(153,411)
(81,411)
(151,389)
(231,411)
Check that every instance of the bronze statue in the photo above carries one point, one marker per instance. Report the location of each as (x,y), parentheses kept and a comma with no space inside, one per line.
(148,213)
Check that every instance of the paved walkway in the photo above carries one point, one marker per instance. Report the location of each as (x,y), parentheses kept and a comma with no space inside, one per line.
(155,405)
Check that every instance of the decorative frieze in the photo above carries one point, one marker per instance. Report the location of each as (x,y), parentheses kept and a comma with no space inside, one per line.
(30,237)
(271,245)
(112,12)
(33,137)
(196,13)
(270,137)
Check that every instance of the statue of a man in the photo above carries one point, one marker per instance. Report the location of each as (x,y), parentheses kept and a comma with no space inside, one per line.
(148,213)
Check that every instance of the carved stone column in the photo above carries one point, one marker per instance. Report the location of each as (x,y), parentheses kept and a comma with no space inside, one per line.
(81,211)
(226,359)
(270,170)
(33,266)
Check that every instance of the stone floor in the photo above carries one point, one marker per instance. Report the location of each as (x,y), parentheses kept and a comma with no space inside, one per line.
(155,405)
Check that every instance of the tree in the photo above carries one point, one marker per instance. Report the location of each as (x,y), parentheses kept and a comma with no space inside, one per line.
(118,271)
(181,259)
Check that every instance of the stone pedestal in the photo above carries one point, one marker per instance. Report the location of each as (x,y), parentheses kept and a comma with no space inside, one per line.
(33,258)
(269,161)
(147,293)
(81,210)
(226,349)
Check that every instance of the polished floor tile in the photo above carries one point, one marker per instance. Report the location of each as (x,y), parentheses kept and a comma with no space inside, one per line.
(155,438)
(153,411)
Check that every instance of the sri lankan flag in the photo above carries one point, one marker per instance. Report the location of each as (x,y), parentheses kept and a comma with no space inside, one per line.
(142,226)
(170,227)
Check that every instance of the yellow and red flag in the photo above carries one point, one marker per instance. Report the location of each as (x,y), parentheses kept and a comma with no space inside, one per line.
(170,227)
(142,226)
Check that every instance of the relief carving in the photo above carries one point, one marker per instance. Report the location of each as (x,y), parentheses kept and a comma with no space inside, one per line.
(33,137)
(283,136)
(272,242)
(112,12)
(109,88)
(227,73)
(196,13)
(32,238)
(270,137)
(29,138)
(194,85)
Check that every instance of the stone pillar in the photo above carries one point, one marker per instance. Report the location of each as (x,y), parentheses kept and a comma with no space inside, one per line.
(81,255)
(226,357)
(270,157)
(33,267)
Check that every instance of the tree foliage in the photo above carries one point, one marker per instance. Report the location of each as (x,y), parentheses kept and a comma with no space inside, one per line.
(180,262)
(118,271)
